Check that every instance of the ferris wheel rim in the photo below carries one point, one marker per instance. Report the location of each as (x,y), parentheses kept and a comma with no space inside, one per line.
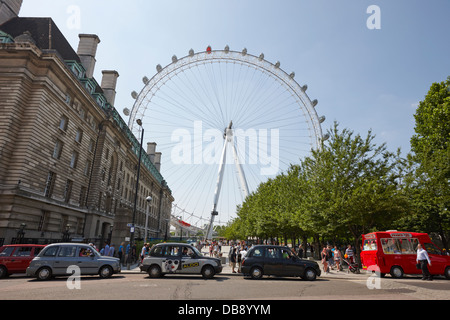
(163,75)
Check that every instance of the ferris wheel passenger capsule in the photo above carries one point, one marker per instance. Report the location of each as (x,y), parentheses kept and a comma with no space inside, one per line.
(227,49)
(134,95)
(158,68)
(304,88)
(145,80)
(261,57)
(191,52)
(292,75)
(244,52)
(278,64)
(209,49)
(174,59)
(315,103)
(322,119)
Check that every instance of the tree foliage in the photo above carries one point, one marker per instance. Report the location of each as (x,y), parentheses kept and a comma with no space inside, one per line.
(351,186)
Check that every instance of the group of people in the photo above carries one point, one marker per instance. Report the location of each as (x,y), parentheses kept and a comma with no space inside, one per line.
(124,253)
(236,255)
(332,257)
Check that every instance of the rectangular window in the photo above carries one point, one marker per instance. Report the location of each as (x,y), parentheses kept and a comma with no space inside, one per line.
(63,123)
(399,246)
(272,253)
(74,160)
(79,136)
(67,252)
(83,194)
(370,245)
(171,251)
(87,168)
(57,151)
(50,184)
(91,147)
(23,252)
(68,191)
(43,220)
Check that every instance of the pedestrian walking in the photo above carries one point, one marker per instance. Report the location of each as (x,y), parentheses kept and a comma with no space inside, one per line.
(324,255)
(106,249)
(337,258)
(121,252)
(233,259)
(423,260)
(111,250)
(300,252)
(330,257)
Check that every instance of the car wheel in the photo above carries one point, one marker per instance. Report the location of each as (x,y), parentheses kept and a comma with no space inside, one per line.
(208,272)
(154,271)
(105,272)
(3,272)
(447,273)
(44,274)
(396,272)
(310,275)
(256,273)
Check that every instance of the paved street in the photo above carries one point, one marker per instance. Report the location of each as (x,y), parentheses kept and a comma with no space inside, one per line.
(134,285)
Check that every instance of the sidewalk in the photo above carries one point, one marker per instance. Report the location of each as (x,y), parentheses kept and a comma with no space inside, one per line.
(227,269)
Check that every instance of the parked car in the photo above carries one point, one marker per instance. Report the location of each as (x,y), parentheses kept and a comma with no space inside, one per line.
(56,260)
(179,258)
(16,258)
(279,261)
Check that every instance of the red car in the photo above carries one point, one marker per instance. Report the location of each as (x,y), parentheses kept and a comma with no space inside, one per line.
(16,258)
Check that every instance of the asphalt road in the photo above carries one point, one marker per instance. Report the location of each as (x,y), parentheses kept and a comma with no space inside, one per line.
(138,286)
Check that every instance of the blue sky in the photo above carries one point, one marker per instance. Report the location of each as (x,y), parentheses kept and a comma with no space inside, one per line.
(364,79)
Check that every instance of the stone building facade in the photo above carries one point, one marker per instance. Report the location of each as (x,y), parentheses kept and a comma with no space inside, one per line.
(68,161)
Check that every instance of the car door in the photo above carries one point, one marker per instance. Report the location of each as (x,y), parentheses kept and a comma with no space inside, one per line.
(20,259)
(87,260)
(65,258)
(171,259)
(190,262)
(5,256)
(437,258)
(272,262)
(290,263)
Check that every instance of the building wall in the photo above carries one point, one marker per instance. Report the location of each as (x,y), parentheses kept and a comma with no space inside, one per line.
(44,108)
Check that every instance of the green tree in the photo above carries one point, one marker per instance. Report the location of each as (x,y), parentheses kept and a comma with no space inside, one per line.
(353,186)
(430,184)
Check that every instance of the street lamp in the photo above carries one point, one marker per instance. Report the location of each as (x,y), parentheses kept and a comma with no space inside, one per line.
(110,234)
(149,200)
(139,122)
(66,233)
(21,233)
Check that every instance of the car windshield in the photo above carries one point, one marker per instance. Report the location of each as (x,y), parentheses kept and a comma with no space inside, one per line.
(198,253)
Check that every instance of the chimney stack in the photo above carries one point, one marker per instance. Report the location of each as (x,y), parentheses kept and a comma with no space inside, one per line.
(109,83)
(158,156)
(9,9)
(151,150)
(87,49)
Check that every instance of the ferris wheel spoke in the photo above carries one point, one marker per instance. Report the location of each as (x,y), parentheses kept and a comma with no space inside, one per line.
(185,108)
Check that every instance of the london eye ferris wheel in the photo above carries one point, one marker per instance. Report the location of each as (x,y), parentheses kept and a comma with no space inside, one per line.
(224,121)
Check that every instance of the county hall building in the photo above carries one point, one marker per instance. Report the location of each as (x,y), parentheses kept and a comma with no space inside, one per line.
(68,161)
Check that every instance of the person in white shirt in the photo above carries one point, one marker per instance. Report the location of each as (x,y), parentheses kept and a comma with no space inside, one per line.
(424,260)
